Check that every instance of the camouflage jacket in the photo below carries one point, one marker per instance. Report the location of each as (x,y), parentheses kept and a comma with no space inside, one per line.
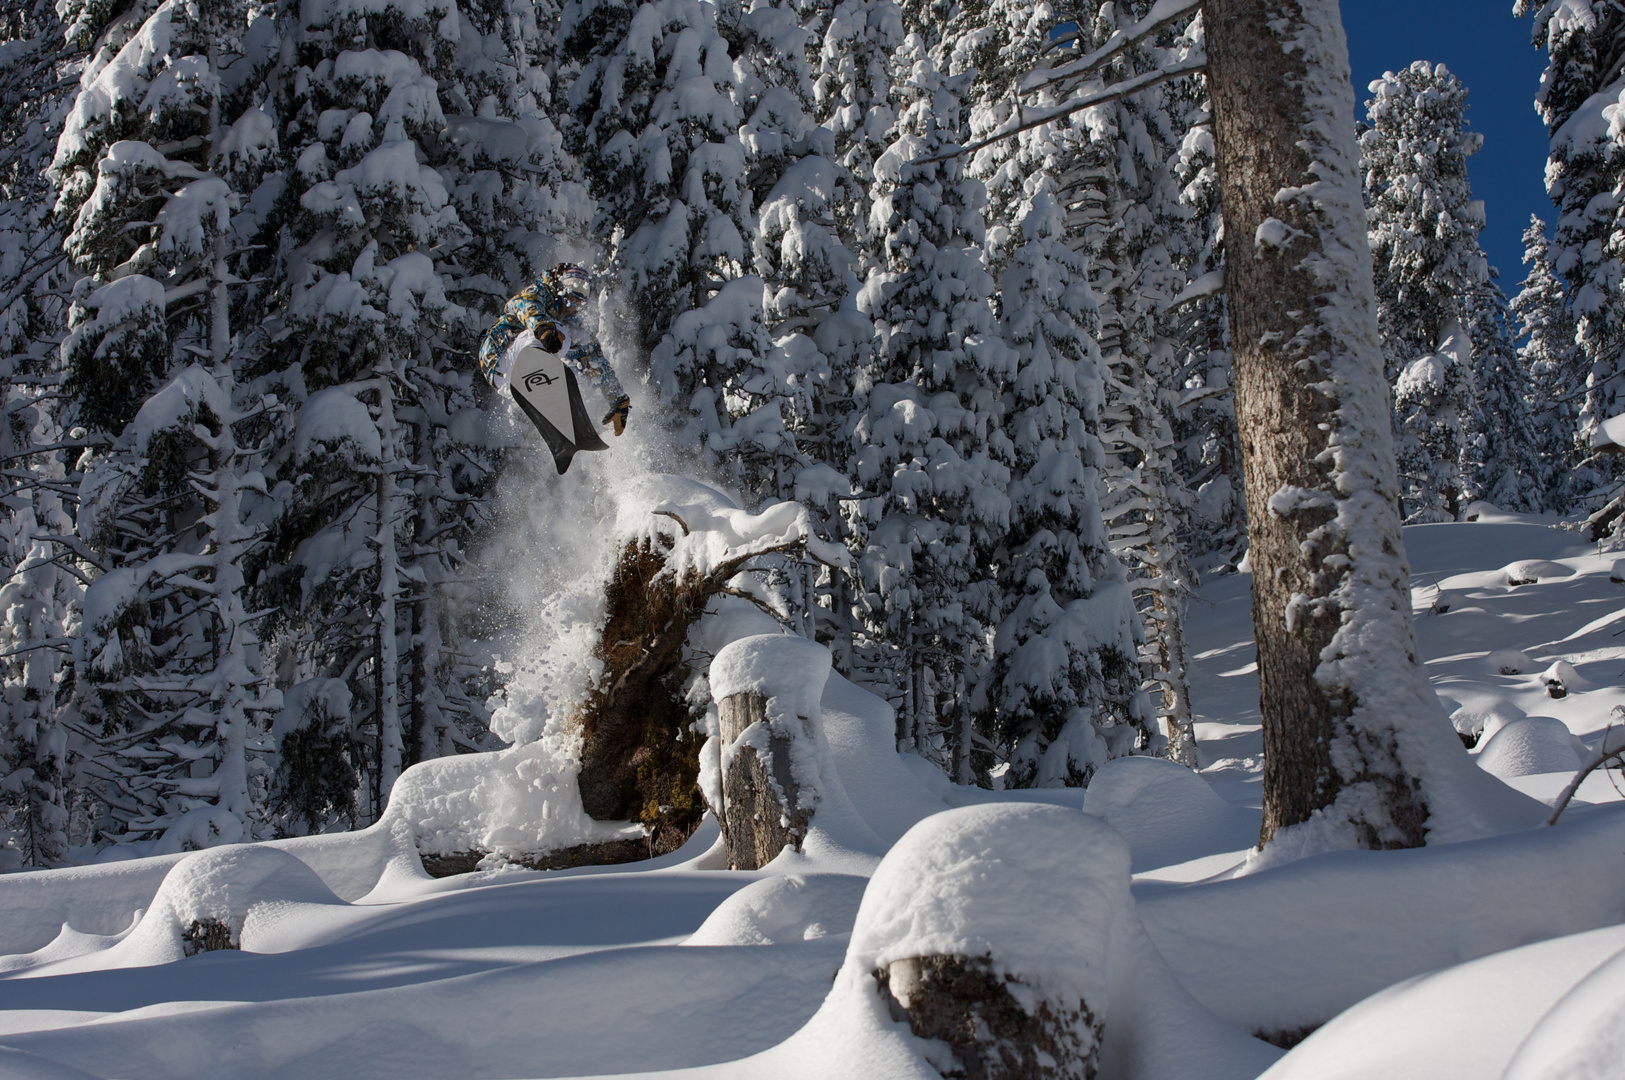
(538,308)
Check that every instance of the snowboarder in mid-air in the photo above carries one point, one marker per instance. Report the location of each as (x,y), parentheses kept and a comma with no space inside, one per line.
(535,350)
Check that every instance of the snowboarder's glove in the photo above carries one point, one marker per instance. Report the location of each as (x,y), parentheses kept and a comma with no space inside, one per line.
(617,415)
(551,340)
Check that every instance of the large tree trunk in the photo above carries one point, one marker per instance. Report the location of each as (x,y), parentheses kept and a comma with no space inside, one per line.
(1339,680)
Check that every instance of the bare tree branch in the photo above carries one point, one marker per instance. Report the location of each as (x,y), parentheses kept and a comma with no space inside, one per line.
(1602,755)
(1163,13)
(1191,65)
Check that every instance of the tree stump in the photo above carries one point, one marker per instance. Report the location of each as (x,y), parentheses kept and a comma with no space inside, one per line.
(759,793)
(970,1007)
(209,935)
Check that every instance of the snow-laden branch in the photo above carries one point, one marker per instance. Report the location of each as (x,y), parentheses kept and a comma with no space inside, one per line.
(1162,14)
(1602,755)
(1028,120)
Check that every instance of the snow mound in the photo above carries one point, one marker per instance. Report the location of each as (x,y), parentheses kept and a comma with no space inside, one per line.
(1256,951)
(1464,1021)
(1510,662)
(221,889)
(519,801)
(1617,574)
(20,1065)
(1529,746)
(1040,889)
(1533,571)
(1582,1037)
(784,909)
(223,883)
(1564,677)
(1167,813)
(1043,892)
(67,945)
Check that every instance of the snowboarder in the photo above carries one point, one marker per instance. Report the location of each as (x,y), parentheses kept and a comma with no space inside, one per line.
(540,338)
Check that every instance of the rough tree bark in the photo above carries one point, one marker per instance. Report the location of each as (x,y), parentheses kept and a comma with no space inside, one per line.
(1340,684)
(997,1027)
(756,824)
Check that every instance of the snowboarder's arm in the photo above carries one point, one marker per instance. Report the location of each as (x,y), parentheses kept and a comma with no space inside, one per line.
(589,359)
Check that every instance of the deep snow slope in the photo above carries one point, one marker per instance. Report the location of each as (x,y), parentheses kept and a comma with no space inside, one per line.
(368,969)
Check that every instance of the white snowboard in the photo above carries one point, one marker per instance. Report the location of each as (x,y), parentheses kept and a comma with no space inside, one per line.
(546,389)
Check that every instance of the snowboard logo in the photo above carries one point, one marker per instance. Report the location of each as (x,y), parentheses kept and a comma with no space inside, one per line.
(539,378)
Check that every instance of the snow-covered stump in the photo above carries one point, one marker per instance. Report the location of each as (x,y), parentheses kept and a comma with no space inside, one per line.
(767,690)
(761,815)
(994,930)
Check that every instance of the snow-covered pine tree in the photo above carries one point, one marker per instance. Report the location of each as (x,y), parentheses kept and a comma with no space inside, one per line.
(383,469)
(654,121)
(852,88)
(996,42)
(1581,87)
(168,647)
(1065,649)
(1424,227)
(160,150)
(1557,370)
(1504,448)
(1093,681)
(42,802)
(932,458)
(793,404)
(1125,213)
(1204,424)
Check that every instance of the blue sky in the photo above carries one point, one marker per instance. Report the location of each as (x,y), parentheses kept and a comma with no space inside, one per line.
(1489,50)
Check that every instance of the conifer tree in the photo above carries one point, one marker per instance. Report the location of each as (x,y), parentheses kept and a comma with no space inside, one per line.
(667,168)
(1424,227)
(1578,91)
(803,384)
(1508,468)
(391,130)
(159,152)
(1557,370)
(1204,423)
(1126,214)
(932,458)
(43,802)
(1065,649)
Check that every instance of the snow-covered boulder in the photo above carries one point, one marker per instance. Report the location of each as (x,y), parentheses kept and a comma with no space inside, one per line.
(1166,812)
(1510,662)
(515,803)
(1529,746)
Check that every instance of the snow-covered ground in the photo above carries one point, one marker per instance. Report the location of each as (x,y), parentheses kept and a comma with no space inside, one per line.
(1444,962)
